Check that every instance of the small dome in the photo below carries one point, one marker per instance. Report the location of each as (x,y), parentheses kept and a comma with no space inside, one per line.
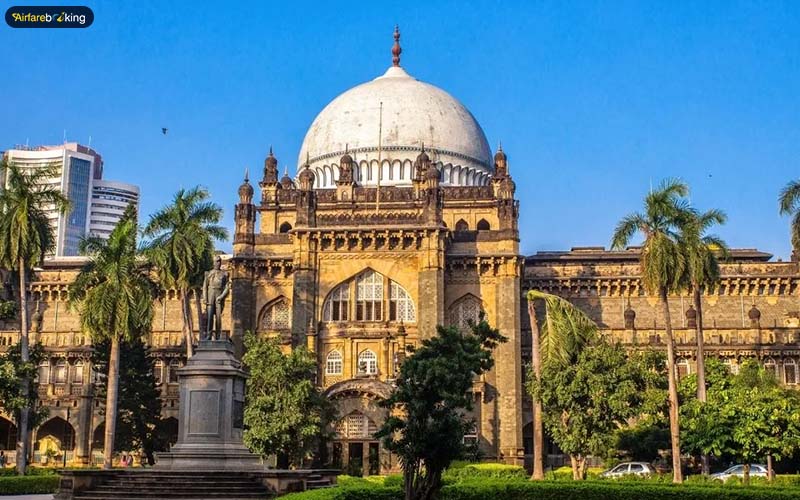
(271,161)
(287,182)
(500,156)
(246,190)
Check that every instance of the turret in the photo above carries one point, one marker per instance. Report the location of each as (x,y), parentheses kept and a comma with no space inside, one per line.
(244,219)
(269,182)
(504,189)
(306,197)
(346,182)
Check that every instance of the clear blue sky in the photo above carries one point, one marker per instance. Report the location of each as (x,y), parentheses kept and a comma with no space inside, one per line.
(592,101)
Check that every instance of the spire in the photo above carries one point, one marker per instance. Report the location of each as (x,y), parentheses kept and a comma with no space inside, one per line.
(246,174)
(396,50)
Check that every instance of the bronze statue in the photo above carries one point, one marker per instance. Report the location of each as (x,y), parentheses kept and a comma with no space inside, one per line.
(216,287)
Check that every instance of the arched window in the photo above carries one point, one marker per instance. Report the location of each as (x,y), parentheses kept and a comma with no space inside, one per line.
(790,371)
(462,225)
(333,363)
(369,296)
(367,363)
(158,371)
(771,367)
(77,373)
(173,371)
(276,316)
(401,307)
(483,225)
(337,305)
(285,228)
(732,365)
(683,368)
(43,374)
(465,311)
(356,426)
(60,376)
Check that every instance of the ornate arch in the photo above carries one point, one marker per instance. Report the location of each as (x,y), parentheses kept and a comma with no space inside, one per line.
(468,308)
(275,315)
(365,296)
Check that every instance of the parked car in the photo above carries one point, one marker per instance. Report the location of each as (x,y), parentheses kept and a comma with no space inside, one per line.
(629,468)
(756,470)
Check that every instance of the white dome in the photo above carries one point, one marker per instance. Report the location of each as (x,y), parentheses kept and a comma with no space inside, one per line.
(414,114)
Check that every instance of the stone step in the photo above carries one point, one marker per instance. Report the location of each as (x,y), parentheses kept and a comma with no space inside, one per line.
(260,496)
(116,488)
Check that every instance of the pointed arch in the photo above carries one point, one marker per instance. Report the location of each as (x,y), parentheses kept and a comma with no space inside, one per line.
(285,228)
(462,225)
(401,306)
(334,363)
(466,311)
(365,297)
(355,425)
(367,362)
(483,225)
(276,315)
(59,430)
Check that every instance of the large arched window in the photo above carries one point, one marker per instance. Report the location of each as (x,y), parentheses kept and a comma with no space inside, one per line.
(771,367)
(401,307)
(60,376)
(333,363)
(43,374)
(369,296)
(338,304)
(158,371)
(77,373)
(174,365)
(465,311)
(790,371)
(367,363)
(276,316)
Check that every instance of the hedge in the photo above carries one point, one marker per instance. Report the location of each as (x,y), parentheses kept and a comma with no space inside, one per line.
(26,485)
(467,472)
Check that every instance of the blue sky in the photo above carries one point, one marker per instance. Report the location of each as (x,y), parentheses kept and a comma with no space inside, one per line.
(593,101)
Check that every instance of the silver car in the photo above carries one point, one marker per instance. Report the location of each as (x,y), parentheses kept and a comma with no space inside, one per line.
(756,470)
(629,468)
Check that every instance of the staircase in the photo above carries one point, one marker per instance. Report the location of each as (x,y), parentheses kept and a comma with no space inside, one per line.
(316,481)
(177,485)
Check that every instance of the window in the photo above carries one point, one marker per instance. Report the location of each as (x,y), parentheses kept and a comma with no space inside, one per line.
(173,371)
(637,468)
(44,372)
(356,426)
(285,227)
(401,307)
(682,367)
(483,225)
(771,367)
(276,317)
(369,296)
(790,372)
(462,225)
(158,371)
(77,373)
(338,304)
(367,363)
(333,363)
(464,311)
(732,365)
(61,372)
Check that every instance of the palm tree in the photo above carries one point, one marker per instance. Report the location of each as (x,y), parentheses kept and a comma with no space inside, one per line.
(566,329)
(702,268)
(27,237)
(789,204)
(663,269)
(114,296)
(182,247)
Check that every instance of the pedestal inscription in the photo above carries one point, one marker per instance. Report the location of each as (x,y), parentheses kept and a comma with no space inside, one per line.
(203,413)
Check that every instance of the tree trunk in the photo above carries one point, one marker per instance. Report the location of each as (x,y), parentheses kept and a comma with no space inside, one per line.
(24,346)
(770,469)
(674,425)
(701,362)
(578,463)
(111,403)
(746,475)
(538,426)
(186,321)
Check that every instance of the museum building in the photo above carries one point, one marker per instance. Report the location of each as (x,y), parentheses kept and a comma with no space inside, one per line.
(399,218)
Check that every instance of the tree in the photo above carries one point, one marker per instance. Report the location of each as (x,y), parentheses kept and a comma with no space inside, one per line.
(789,204)
(565,330)
(586,401)
(286,414)
(702,268)
(182,247)
(663,271)
(27,237)
(427,422)
(138,403)
(12,370)
(114,295)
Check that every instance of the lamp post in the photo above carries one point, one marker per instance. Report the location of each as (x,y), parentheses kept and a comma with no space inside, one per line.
(64,444)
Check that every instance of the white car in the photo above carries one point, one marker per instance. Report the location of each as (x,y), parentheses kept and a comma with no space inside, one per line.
(756,470)
(629,468)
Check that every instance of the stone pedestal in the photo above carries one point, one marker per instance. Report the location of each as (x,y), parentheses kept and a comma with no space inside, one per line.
(210,424)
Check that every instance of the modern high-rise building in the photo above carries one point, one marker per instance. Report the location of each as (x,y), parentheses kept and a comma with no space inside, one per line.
(78,170)
(108,203)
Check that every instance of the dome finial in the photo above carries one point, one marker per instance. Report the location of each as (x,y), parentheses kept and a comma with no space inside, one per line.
(246,174)
(499,145)
(396,50)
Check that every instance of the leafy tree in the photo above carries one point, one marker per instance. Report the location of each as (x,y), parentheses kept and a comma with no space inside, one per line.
(663,269)
(286,414)
(138,403)
(564,332)
(27,237)
(114,296)
(586,401)
(789,204)
(12,370)
(426,426)
(182,247)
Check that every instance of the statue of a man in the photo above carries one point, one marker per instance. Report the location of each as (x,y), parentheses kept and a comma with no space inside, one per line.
(216,287)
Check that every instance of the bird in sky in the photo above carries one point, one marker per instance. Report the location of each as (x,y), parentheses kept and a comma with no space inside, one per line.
(164,130)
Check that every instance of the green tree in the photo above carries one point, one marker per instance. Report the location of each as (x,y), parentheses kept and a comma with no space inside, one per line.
(427,424)
(27,237)
(182,247)
(138,403)
(114,295)
(663,271)
(789,204)
(286,414)
(564,331)
(12,370)
(586,401)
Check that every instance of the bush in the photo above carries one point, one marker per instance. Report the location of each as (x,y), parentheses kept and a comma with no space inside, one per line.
(32,471)
(348,493)
(565,473)
(465,472)
(26,485)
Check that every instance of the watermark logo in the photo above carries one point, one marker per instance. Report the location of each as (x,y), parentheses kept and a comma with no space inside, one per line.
(49,17)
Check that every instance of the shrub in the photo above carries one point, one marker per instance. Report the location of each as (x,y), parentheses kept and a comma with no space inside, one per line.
(25,485)
(466,472)
(348,493)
